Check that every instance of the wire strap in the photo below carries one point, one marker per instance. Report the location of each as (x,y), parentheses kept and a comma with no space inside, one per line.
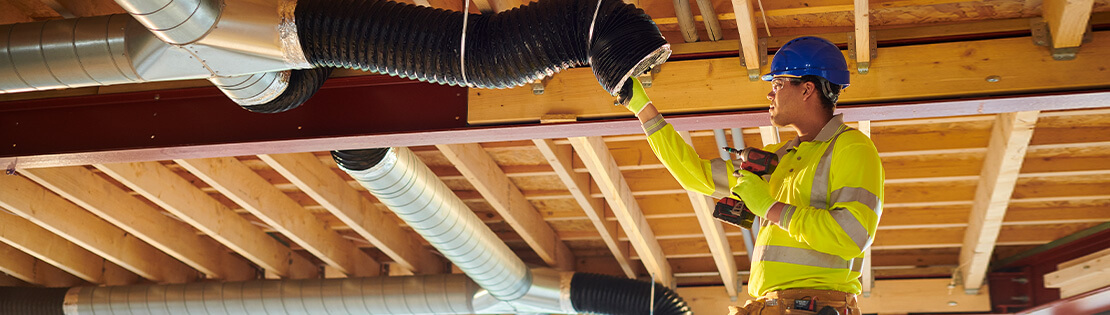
(593,22)
(651,298)
(462,45)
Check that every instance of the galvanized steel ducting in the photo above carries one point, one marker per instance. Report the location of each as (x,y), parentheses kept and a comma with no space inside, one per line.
(408,187)
(498,282)
(226,41)
(553,293)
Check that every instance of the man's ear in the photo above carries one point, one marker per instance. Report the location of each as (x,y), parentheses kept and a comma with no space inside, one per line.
(807,90)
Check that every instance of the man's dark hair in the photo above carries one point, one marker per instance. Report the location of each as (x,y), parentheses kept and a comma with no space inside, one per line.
(827,92)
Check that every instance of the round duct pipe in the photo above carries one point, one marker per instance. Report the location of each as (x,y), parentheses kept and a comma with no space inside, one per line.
(502,50)
(273,92)
(409,188)
(553,293)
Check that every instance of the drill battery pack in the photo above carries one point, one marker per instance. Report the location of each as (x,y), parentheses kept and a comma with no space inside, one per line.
(733,211)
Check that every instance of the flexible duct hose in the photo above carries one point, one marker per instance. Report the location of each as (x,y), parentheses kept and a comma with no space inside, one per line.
(32,301)
(602,294)
(503,50)
(302,85)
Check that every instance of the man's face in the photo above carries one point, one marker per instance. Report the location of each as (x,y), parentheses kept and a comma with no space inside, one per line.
(786,100)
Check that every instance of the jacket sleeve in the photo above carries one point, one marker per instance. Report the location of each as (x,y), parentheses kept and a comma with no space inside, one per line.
(708,177)
(846,226)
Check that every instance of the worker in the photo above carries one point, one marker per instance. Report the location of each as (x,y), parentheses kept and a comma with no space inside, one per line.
(821,206)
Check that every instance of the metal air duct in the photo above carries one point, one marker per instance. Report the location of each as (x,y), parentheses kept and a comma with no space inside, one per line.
(234,42)
(408,187)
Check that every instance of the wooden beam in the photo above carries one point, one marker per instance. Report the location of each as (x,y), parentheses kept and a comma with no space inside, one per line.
(90,7)
(178,196)
(35,10)
(769,135)
(252,192)
(115,205)
(776,9)
(907,73)
(867,276)
(25,267)
(594,152)
(32,239)
(1067,21)
(56,214)
(862,36)
(1080,275)
(490,181)
(749,41)
(366,218)
(685,20)
(560,158)
(1009,141)
(714,235)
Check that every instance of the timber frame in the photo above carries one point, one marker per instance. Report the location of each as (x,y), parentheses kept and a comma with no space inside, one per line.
(994,133)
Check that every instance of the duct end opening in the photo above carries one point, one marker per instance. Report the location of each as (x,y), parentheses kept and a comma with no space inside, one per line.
(359,160)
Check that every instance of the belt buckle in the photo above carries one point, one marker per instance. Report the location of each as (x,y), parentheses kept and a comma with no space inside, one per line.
(772,302)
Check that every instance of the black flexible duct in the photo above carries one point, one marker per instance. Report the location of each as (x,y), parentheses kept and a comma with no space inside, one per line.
(358,160)
(32,301)
(302,85)
(503,50)
(602,294)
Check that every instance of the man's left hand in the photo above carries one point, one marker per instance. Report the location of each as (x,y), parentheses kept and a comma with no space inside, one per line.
(754,191)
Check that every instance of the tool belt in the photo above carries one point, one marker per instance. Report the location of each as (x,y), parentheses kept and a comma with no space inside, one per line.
(799,302)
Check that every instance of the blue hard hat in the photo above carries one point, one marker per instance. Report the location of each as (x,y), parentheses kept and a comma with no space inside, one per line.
(810,55)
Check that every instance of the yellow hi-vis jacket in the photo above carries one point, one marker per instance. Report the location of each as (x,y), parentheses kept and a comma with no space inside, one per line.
(833,191)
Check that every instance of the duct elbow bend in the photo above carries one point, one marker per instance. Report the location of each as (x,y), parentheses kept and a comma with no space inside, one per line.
(273,92)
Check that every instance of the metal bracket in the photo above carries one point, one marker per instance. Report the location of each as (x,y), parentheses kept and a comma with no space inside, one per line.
(539,86)
(753,74)
(647,77)
(1042,36)
(862,67)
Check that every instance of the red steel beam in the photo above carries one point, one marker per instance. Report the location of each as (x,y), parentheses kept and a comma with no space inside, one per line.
(1093,302)
(351,113)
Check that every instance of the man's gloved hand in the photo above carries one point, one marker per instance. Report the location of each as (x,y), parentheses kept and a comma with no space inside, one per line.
(633,96)
(754,191)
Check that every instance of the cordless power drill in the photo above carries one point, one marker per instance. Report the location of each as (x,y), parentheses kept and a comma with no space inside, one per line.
(732,210)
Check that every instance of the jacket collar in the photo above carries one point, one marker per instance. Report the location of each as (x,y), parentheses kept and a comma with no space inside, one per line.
(827,133)
(831,128)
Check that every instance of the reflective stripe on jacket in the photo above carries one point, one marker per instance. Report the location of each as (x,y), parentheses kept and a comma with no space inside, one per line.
(833,191)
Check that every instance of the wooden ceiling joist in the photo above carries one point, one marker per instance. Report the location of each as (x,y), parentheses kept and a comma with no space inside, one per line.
(90,7)
(115,205)
(56,214)
(25,267)
(714,234)
(33,240)
(862,36)
(718,85)
(490,181)
(1067,21)
(867,276)
(252,192)
(749,41)
(560,157)
(178,196)
(366,218)
(594,152)
(1009,141)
